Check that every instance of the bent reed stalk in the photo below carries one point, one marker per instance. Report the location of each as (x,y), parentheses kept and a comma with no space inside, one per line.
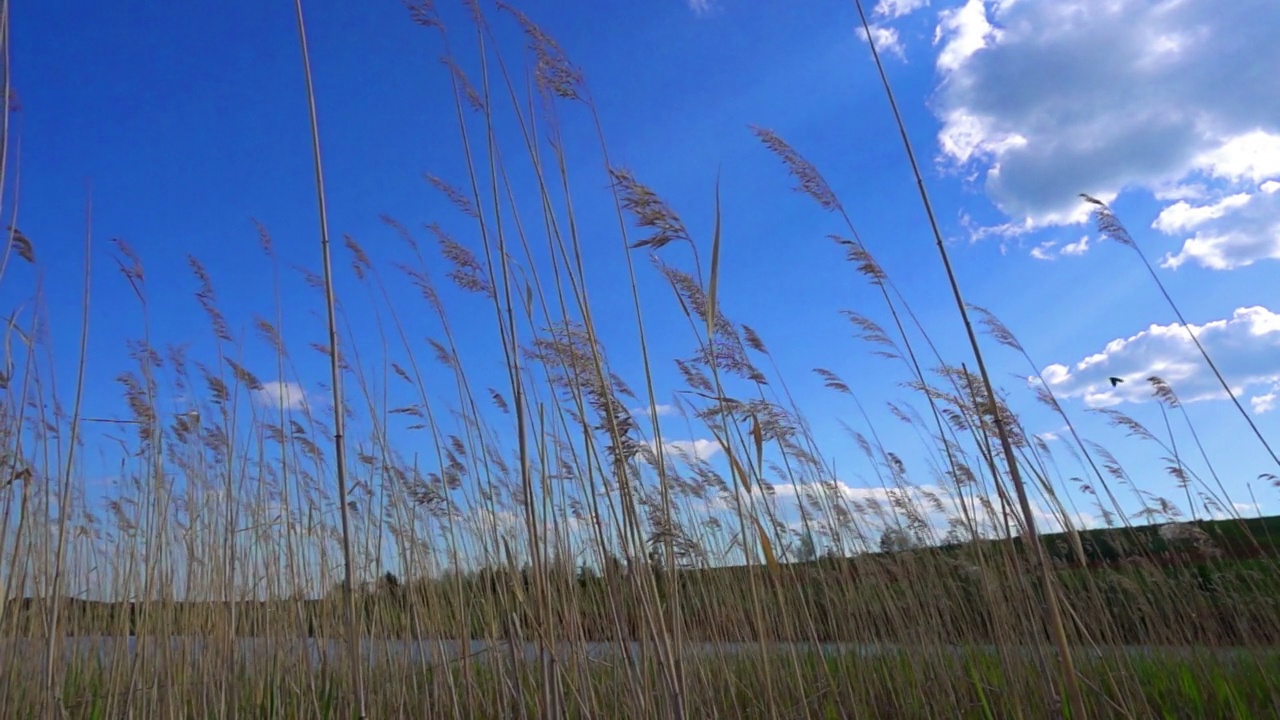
(1053,614)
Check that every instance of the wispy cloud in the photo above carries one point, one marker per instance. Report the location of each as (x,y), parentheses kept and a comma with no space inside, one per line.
(1049,250)
(886,39)
(1267,402)
(659,410)
(700,7)
(1052,435)
(276,393)
(1044,251)
(898,8)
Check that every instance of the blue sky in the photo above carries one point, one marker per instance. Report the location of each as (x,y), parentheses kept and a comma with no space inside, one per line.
(188,121)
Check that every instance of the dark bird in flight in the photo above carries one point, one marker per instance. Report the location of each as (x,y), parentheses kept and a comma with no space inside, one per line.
(1115,381)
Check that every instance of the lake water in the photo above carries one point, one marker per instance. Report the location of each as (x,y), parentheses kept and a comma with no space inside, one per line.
(432,652)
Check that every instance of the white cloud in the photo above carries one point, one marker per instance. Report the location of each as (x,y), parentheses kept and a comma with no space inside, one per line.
(274,393)
(1181,191)
(851,492)
(1053,435)
(1078,247)
(1245,347)
(920,498)
(886,39)
(1182,216)
(965,31)
(1268,402)
(502,522)
(1044,251)
(1051,98)
(695,449)
(660,410)
(700,7)
(1236,231)
(1253,156)
(898,8)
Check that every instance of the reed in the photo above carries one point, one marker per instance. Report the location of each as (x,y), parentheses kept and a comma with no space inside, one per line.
(487,512)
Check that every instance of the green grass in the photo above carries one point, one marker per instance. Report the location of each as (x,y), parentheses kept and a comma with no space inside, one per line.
(970,684)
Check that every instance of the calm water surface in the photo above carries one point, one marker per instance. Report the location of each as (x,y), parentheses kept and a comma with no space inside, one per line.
(431,652)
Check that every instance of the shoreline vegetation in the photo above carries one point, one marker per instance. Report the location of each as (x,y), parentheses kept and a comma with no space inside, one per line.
(1230,566)
(482,465)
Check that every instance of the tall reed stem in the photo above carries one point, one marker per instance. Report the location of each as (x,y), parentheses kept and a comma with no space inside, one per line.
(335,371)
(54,709)
(1053,614)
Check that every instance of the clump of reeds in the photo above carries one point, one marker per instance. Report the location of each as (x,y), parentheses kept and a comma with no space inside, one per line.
(484,515)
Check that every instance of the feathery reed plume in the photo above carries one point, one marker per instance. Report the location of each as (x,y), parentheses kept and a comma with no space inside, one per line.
(209,300)
(474,101)
(468,272)
(423,12)
(554,73)
(455,196)
(810,181)
(1165,394)
(21,244)
(753,340)
(650,211)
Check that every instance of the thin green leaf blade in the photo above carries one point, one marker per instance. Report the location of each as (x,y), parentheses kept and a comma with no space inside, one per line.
(714,283)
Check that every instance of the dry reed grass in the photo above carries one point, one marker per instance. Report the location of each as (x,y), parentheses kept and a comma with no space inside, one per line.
(554,554)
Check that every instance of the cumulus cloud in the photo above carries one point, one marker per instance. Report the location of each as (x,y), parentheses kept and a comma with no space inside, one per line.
(692,449)
(1045,99)
(274,393)
(1182,215)
(962,31)
(1246,348)
(1236,231)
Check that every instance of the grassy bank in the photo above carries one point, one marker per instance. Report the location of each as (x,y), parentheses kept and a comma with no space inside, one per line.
(1219,587)
(916,684)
